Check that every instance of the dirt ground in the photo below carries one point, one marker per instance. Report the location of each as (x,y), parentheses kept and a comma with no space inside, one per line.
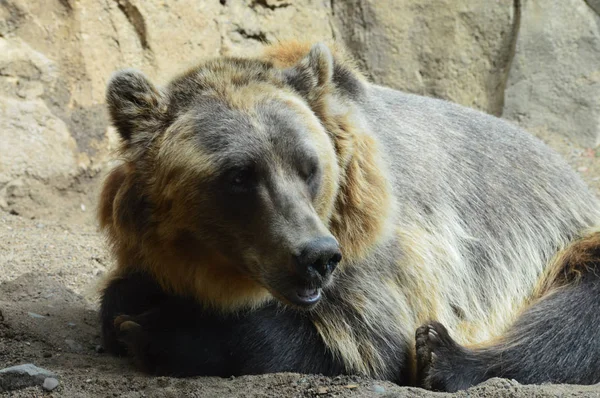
(52,260)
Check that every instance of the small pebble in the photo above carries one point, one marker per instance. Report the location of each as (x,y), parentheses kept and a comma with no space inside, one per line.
(582,169)
(34,315)
(50,383)
(71,324)
(322,390)
(82,207)
(74,345)
(351,386)
(88,381)
(377,388)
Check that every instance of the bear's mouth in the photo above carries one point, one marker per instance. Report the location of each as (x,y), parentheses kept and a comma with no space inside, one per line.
(298,296)
(305,297)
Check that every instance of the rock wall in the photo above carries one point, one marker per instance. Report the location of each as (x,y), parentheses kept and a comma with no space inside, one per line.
(536,62)
(554,81)
(454,49)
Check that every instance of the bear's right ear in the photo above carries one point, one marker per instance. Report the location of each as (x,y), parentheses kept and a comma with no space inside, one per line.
(134,103)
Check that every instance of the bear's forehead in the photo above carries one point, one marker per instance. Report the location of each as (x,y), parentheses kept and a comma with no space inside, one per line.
(240,108)
(227,79)
(270,125)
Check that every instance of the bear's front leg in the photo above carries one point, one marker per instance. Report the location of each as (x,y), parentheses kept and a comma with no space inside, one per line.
(172,340)
(168,341)
(170,335)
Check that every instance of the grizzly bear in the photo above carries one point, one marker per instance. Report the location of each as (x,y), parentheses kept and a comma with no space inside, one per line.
(283,213)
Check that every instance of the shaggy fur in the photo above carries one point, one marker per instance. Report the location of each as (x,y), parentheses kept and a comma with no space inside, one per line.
(451,222)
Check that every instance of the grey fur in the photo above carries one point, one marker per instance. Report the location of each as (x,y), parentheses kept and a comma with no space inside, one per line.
(491,204)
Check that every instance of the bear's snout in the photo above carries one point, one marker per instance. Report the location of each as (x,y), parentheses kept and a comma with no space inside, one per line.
(313,265)
(318,258)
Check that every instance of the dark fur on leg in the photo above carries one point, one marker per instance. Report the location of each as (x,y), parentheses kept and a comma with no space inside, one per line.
(132,294)
(168,335)
(556,340)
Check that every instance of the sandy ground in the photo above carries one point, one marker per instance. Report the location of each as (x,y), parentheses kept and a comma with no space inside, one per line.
(52,260)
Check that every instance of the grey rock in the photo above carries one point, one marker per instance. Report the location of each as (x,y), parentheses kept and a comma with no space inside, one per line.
(22,376)
(377,388)
(458,50)
(554,81)
(34,315)
(35,142)
(74,345)
(50,383)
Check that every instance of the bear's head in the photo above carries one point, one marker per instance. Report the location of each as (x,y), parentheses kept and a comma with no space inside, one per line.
(238,175)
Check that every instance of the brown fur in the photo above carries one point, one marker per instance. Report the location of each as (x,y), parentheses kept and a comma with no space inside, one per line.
(364,199)
(567,267)
(172,256)
(582,255)
(111,186)
(287,53)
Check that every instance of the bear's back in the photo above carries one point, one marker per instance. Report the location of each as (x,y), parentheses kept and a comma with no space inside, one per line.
(482,205)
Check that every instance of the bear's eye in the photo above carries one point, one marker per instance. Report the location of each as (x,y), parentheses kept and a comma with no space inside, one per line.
(240,180)
(310,173)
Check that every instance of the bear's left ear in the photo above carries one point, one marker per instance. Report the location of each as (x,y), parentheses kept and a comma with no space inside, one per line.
(314,71)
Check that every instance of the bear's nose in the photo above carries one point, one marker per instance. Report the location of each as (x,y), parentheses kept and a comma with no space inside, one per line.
(320,255)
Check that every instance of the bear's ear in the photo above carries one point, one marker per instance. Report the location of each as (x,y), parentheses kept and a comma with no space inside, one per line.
(134,103)
(314,71)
